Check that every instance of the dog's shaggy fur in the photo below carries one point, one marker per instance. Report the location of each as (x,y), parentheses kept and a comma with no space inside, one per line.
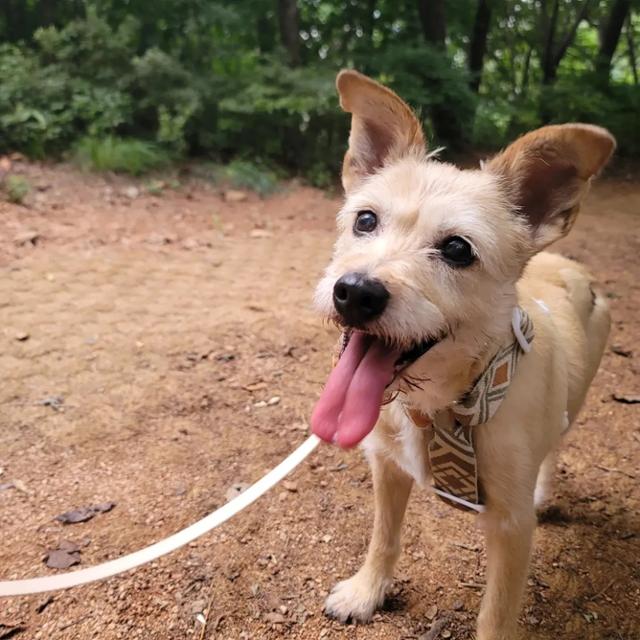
(517,204)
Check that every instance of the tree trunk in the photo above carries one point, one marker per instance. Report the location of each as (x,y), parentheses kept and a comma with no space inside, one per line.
(478,44)
(369,23)
(434,24)
(289,21)
(445,120)
(551,54)
(47,11)
(549,31)
(610,31)
(633,63)
(524,83)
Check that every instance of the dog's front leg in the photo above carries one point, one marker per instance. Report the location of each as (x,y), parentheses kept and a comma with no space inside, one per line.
(358,597)
(509,537)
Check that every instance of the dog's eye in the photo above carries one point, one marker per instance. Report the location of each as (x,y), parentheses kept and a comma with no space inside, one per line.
(366,222)
(457,252)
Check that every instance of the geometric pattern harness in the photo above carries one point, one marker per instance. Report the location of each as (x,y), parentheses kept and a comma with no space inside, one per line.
(451,451)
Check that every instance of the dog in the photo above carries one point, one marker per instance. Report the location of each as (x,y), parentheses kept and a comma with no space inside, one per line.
(437,272)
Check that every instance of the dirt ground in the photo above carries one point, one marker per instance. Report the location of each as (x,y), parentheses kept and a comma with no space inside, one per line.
(141,338)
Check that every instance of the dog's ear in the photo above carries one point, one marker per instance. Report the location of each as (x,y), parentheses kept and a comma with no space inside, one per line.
(547,171)
(383,127)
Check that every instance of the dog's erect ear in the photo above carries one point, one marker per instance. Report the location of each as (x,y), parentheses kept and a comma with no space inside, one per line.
(383,127)
(547,171)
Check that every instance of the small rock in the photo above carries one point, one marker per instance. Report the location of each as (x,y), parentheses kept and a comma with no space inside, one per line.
(275,618)
(131,192)
(261,404)
(434,632)
(256,386)
(68,546)
(259,234)
(22,487)
(198,606)
(59,559)
(160,239)
(233,195)
(7,485)
(621,351)
(432,612)
(458,605)
(327,538)
(290,486)
(235,490)
(55,402)
(190,243)
(625,399)
(25,238)
(446,633)
(85,513)
(273,401)
(103,507)
(21,336)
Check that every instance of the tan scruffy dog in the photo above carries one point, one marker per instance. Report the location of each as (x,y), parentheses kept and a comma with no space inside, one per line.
(464,349)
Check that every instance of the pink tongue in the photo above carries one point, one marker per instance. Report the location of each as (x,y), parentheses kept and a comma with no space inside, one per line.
(350,403)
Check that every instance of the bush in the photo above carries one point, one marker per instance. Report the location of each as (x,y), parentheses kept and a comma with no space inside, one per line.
(618,109)
(16,188)
(118,154)
(242,174)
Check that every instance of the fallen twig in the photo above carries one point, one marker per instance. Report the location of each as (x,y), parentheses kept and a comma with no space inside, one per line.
(465,546)
(472,585)
(206,615)
(603,591)
(612,470)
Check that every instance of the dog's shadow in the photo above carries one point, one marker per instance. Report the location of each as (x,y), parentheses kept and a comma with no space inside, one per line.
(586,563)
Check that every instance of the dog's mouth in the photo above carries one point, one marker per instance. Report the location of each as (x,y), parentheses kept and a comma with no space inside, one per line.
(406,358)
(350,403)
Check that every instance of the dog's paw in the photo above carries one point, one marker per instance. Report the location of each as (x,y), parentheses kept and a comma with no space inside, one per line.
(356,599)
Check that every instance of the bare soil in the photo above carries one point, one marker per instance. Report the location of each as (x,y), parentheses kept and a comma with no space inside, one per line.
(141,336)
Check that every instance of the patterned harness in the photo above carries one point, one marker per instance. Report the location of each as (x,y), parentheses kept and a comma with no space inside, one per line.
(451,452)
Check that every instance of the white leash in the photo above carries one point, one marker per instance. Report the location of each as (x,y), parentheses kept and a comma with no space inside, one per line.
(173,542)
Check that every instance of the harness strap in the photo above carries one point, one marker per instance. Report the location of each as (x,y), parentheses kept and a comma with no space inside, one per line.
(451,451)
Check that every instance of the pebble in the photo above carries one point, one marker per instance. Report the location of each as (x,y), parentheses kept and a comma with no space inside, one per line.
(26,237)
(131,192)
(259,234)
(233,195)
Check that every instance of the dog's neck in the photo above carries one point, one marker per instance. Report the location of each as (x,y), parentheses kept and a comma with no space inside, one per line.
(451,368)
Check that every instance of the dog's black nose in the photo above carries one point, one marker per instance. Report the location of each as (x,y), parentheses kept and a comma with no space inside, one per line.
(359,299)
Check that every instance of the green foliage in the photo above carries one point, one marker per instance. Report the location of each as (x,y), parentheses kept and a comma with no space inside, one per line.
(617,108)
(242,174)
(432,85)
(117,154)
(211,79)
(16,189)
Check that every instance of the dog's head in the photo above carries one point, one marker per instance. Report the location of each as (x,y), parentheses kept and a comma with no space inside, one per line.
(428,255)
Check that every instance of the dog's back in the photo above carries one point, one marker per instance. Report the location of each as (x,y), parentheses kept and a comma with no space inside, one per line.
(579,313)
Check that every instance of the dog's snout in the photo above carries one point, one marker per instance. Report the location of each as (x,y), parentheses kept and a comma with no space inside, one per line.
(359,299)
